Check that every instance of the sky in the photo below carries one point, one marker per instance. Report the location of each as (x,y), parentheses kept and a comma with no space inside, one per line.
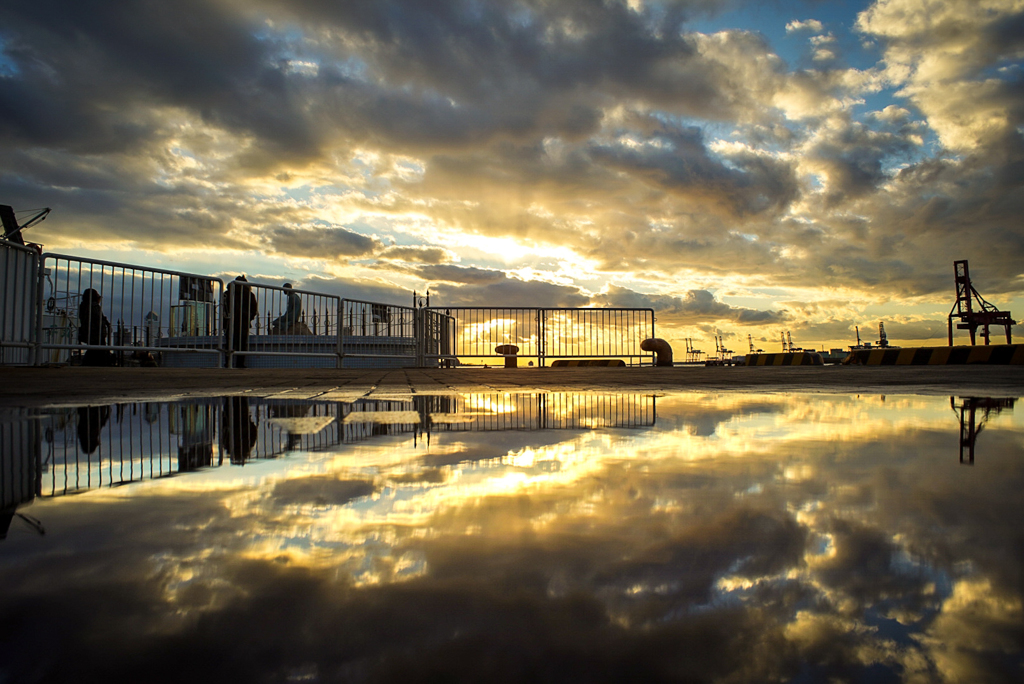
(744,168)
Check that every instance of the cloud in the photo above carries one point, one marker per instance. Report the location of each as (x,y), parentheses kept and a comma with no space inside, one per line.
(511,292)
(417,254)
(321,242)
(811,25)
(693,307)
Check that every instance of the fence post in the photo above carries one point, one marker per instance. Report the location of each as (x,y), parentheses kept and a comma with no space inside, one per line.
(339,317)
(37,324)
(228,317)
(419,333)
(540,338)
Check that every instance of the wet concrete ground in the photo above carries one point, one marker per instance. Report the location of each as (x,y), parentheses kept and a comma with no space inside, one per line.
(41,387)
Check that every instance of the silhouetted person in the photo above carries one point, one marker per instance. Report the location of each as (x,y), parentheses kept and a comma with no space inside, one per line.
(291,314)
(94,328)
(91,420)
(238,433)
(239,310)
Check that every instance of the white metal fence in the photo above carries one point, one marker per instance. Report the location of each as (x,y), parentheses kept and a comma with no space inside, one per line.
(102,311)
(19,275)
(58,309)
(266,326)
(378,334)
(478,334)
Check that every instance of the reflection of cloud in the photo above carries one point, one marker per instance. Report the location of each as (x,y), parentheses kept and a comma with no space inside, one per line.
(787,534)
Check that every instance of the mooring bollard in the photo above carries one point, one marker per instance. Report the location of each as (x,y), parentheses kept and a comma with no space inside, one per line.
(509,351)
(661,348)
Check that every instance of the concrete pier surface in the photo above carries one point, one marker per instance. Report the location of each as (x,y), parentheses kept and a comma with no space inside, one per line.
(68,386)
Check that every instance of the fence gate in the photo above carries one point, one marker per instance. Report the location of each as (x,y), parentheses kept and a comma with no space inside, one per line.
(479,334)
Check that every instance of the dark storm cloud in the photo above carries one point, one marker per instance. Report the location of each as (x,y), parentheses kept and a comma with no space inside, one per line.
(81,68)
(694,306)
(416,254)
(464,275)
(679,161)
(319,243)
(512,292)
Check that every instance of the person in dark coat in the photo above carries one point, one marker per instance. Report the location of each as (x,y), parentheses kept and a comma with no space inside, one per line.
(94,328)
(91,420)
(239,311)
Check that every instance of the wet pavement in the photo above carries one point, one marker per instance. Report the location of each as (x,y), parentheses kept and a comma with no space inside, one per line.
(406,527)
(75,386)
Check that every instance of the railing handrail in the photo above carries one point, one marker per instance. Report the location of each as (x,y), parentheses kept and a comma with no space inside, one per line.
(281,288)
(134,267)
(390,306)
(539,308)
(20,248)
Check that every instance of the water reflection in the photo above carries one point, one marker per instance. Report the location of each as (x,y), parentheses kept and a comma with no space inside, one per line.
(735,537)
(971,424)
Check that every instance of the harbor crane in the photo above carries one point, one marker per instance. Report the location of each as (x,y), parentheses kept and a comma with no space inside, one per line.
(972,318)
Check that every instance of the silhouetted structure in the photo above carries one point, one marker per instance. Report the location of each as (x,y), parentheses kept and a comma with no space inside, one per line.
(970,318)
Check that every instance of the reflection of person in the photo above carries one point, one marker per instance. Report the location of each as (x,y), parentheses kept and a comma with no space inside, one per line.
(239,310)
(292,313)
(239,432)
(94,328)
(91,420)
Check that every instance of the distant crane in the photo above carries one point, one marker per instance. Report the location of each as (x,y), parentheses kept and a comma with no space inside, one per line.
(750,341)
(692,355)
(720,348)
(883,341)
(970,318)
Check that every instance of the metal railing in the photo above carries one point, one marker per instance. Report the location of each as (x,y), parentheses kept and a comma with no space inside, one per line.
(372,330)
(544,334)
(273,327)
(58,309)
(19,274)
(98,312)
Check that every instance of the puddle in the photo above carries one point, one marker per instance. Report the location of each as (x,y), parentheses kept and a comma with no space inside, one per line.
(488,535)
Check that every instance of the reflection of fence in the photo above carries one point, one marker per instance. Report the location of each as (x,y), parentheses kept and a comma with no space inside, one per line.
(546,411)
(105,306)
(19,269)
(562,333)
(108,446)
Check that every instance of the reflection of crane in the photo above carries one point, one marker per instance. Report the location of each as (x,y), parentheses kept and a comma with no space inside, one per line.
(970,427)
(12,229)
(970,318)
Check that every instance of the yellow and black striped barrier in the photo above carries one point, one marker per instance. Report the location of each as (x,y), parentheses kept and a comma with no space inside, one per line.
(996,354)
(574,363)
(786,359)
